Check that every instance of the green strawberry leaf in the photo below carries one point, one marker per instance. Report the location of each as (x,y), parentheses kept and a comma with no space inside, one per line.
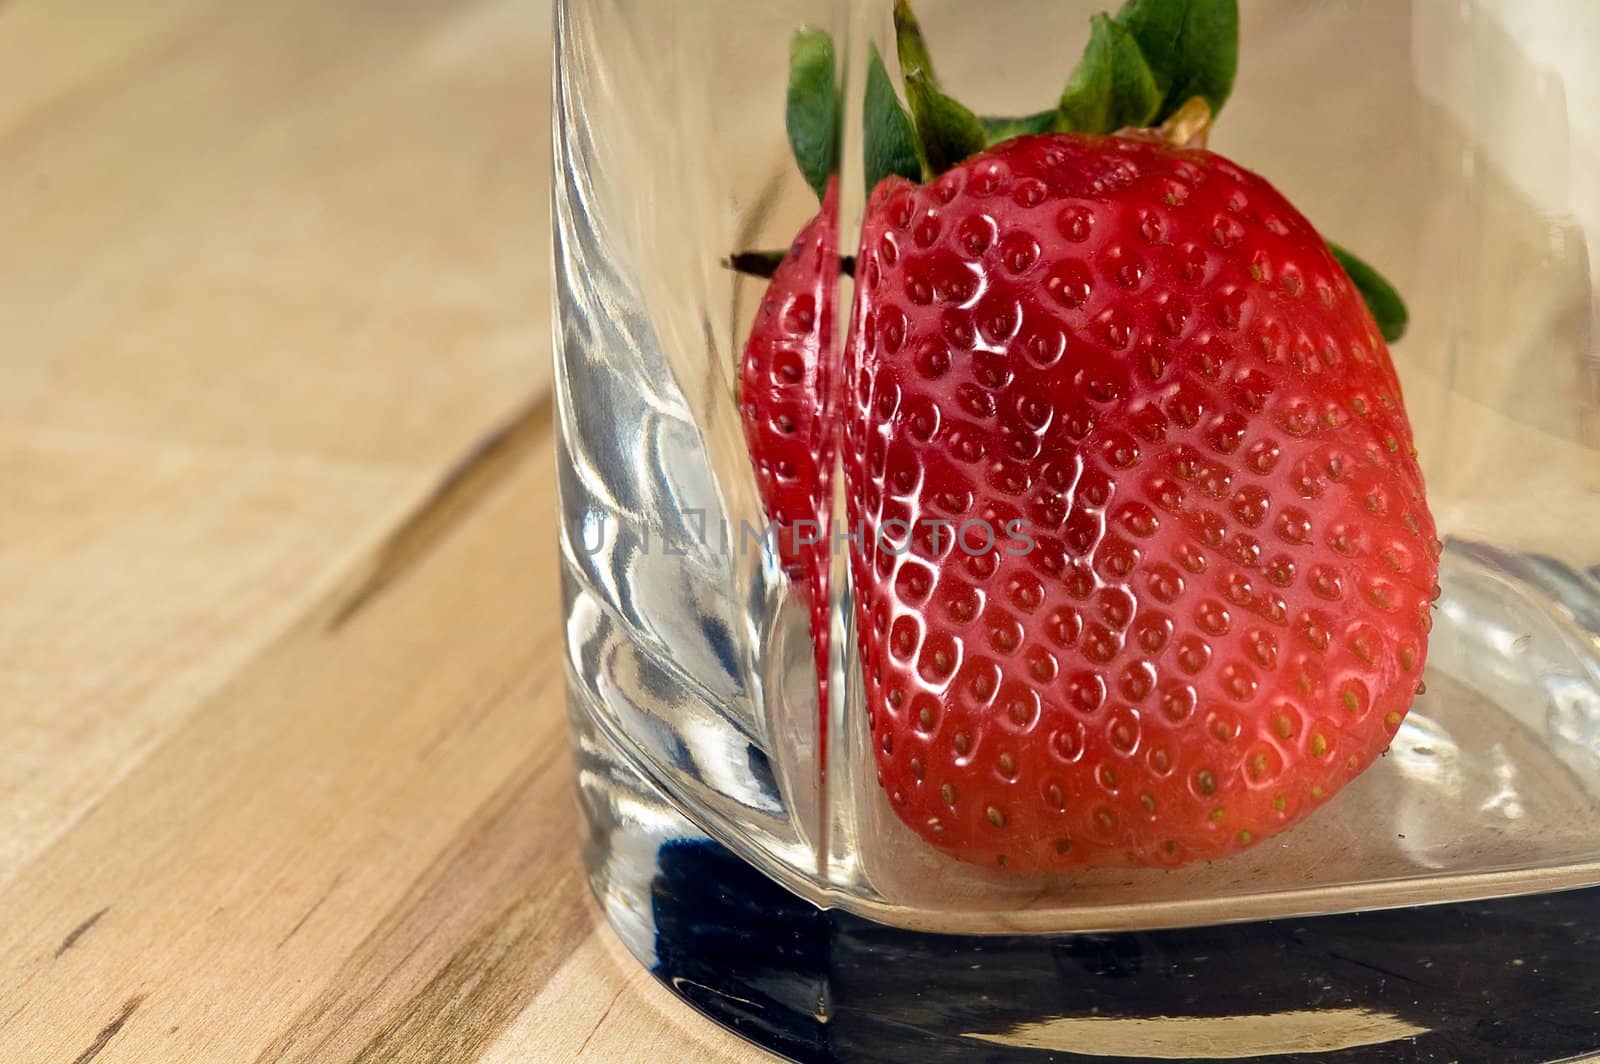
(909,44)
(947,120)
(948,130)
(1112,86)
(1192,47)
(889,141)
(1387,308)
(996,129)
(812,111)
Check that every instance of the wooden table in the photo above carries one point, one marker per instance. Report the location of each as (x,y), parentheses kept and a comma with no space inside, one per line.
(283,769)
(283,772)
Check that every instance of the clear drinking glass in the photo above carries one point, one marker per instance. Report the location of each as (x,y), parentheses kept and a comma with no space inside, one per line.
(1454,143)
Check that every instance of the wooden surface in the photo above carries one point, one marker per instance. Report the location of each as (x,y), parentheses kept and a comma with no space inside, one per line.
(283,772)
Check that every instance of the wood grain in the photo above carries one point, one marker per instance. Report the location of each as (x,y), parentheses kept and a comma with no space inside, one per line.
(284,771)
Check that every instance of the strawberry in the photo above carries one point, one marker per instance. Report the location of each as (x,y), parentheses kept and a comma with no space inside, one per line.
(1145,566)
(786,391)
(784,381)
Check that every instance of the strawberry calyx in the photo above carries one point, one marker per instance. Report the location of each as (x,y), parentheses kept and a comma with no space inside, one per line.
(1152,62)
(812,107)
(1158,69)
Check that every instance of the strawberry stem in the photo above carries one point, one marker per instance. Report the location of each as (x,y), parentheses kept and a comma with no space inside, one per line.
(1189,125)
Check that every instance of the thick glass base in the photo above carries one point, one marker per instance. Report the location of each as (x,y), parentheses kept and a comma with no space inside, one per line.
(1503,981)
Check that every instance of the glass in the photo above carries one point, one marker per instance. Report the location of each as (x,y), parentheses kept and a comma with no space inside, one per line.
(1453,143)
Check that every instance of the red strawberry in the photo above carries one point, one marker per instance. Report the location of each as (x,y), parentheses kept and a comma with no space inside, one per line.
(1149,357)
(785,383)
